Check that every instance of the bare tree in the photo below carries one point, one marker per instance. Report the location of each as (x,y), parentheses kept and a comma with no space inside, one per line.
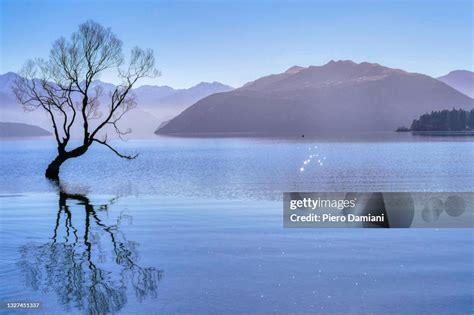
(62,87)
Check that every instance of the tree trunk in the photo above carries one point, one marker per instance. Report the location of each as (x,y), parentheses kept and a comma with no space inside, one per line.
(52,172)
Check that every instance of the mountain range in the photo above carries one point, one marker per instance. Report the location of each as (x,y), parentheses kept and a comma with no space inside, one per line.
(340,96)
(155,104)
(337,96)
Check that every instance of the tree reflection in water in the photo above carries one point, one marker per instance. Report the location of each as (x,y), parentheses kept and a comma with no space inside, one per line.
(90,266)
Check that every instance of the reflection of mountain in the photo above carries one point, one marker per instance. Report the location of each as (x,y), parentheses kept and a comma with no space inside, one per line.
(155,104)
(461,80)
(8,129)
(338,96)
(89,264)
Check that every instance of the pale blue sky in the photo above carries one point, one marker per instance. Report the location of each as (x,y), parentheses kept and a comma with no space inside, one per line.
(237,41)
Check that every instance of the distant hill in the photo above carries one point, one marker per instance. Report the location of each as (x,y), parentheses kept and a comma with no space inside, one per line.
(461,80)
(165,102)
(156,104)
(7,98)
(338,96)
(8,129)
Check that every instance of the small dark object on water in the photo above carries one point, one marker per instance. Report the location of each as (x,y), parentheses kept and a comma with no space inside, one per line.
(302,136)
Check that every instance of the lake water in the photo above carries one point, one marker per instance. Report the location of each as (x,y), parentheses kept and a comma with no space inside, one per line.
(195,226)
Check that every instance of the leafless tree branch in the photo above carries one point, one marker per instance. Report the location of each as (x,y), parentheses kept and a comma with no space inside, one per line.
(123,156)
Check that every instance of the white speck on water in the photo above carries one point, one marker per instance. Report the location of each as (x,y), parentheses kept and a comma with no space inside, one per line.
(302,169)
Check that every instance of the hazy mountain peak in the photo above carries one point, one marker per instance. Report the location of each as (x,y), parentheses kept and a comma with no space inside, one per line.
(461,80)
(6,81)
(361,69)
(341,62)
(9,75)
(213,84)
(149,86)
(154,91)
(349,64)
(105,85)
(461,72)
(332,73)
(294,69)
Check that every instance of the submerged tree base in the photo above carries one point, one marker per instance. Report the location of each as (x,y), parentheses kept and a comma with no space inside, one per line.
(52,172)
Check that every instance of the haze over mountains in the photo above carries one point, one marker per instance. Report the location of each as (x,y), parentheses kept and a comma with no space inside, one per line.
(340,96)
(155,104)
(461,80)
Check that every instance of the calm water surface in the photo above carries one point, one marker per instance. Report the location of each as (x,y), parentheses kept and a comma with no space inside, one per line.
(194,226)
(247,168)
